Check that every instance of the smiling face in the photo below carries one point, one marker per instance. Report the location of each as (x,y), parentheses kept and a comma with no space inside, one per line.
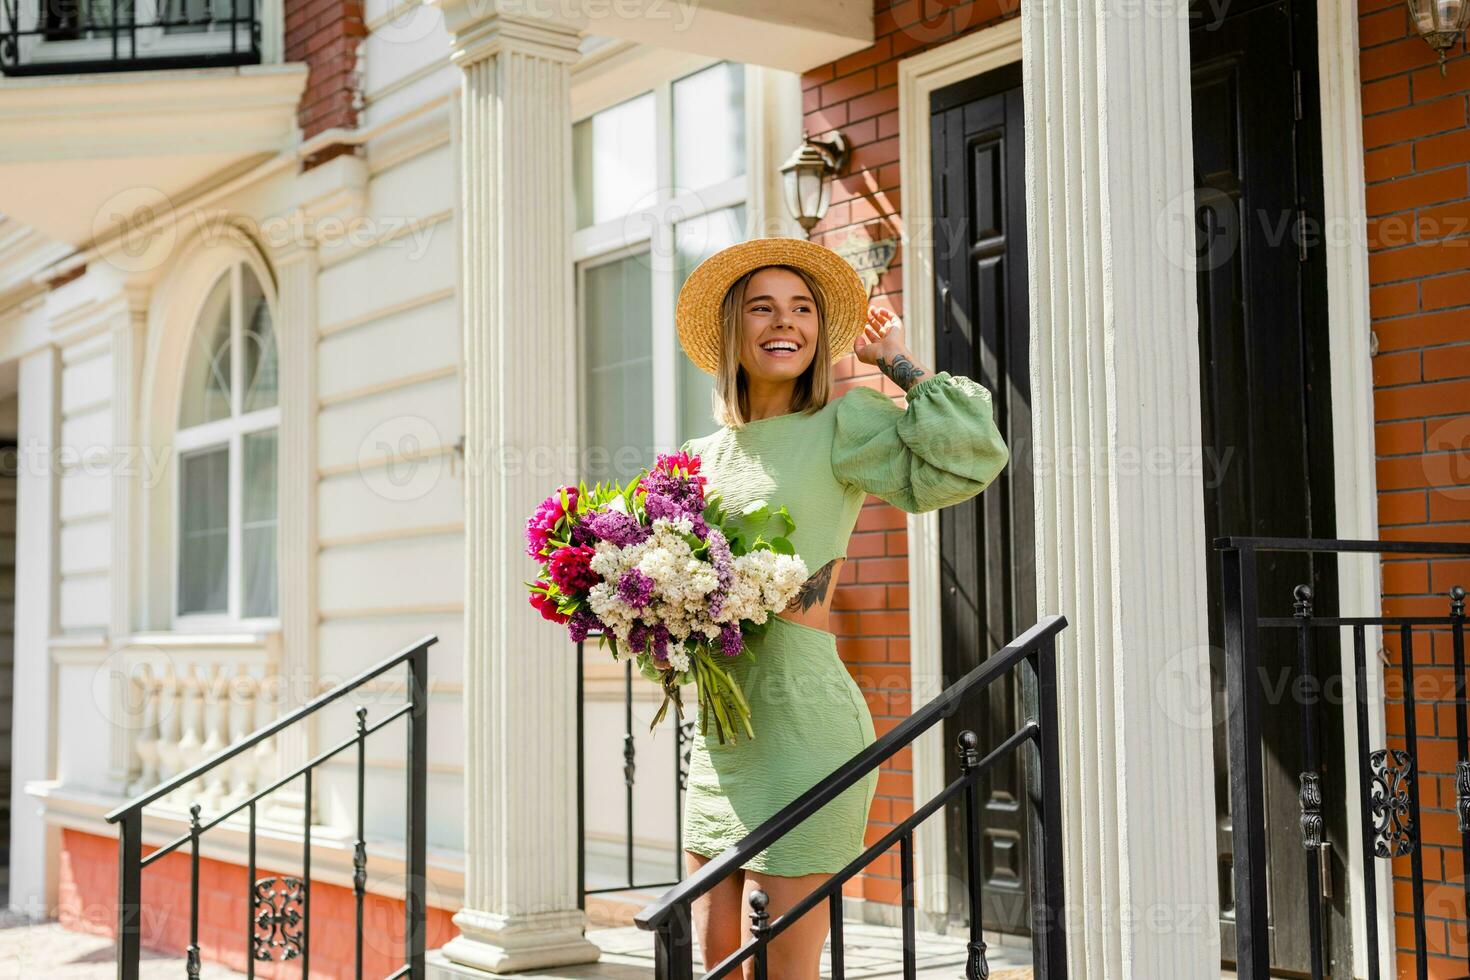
(779,326)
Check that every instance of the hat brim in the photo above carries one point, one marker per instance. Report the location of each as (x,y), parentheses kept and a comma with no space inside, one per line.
(697,313)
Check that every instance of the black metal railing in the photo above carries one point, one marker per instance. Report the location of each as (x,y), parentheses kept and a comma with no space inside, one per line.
(49,37)
(279,922)
(682,739)
(1387,783)
(670,918)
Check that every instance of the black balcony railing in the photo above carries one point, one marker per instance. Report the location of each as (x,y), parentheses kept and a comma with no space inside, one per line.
(51,37)
(678,775)
(670,918)
(279,923)
(1387,781)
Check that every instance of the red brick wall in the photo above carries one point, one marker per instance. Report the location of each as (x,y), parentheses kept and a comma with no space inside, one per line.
(1417,162)
(88,903)
(325,34)
(859,95)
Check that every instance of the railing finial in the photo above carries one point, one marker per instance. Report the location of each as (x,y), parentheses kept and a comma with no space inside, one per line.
(1457,600)
(1303,606)
(967,747)
(760,919)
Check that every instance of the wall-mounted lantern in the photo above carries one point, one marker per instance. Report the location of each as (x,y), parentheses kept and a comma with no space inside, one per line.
(1440,22)
(807,176)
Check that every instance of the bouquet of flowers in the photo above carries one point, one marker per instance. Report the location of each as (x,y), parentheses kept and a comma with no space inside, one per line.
(661,572)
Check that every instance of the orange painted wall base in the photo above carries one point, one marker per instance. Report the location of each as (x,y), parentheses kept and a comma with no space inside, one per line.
(88,903)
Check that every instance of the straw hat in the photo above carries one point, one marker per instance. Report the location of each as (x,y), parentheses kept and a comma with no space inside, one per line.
(698,312)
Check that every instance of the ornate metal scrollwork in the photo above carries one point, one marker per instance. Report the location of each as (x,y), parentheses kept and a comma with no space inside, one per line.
(1310,797)
(278,919)
(686,752)
(359,868)
(977,967)
(630,756)
(1462,794)
(1388,801)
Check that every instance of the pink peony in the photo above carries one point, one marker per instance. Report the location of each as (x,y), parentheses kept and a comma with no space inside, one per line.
(547,606)
(571,569)
(542,524)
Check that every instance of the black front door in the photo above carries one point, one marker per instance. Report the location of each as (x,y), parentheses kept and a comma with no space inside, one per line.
(1265,401)
(987,544)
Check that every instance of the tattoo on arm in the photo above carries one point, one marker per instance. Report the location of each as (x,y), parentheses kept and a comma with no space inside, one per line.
(814,590)
(904,372)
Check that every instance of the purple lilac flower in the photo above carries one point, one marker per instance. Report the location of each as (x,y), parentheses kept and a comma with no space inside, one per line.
(683,495)
(635,588)
(720,556)
(638,637)
(660,642)
(582,623)
(715,604)
(730,640)
(616,527)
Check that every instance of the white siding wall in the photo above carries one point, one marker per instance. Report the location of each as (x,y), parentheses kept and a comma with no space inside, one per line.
(392,539)
(86,489)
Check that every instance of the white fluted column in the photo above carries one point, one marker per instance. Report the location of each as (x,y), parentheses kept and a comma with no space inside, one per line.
(514,151)
(296,272)
(1121,544)
(33,757)
(129,331)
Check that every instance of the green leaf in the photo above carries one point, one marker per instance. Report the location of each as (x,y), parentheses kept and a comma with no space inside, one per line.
(786,519)
(782,546)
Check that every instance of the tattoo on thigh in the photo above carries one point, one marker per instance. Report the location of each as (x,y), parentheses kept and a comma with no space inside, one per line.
(903,371)
(814,590)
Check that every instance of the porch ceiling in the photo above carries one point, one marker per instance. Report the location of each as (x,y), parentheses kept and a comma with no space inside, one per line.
(77,151)
(794,35)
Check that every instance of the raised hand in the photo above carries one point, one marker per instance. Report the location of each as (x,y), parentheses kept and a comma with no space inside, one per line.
(882,344)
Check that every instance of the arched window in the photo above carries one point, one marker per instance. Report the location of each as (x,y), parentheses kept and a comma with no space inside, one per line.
(226,445)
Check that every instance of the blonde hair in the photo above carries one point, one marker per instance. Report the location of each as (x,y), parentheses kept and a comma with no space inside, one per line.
(731,400)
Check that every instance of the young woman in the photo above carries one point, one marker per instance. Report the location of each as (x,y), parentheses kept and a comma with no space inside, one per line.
(768,318)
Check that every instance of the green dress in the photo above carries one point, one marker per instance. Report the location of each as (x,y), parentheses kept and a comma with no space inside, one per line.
(809,716)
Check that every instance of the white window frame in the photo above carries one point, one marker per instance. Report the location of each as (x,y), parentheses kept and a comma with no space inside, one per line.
(651,229)
(152,42)
(228,432)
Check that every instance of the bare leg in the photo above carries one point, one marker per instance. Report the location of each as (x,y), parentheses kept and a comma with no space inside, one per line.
(796,954)
(716,914)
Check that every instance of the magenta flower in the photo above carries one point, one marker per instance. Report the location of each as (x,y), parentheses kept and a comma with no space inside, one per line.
(571,569)
(546,606)
(542,524)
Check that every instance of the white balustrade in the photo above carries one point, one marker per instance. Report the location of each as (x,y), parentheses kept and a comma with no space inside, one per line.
(194,697)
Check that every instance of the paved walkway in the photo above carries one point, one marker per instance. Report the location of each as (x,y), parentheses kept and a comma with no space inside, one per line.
(873,952)
(47,950)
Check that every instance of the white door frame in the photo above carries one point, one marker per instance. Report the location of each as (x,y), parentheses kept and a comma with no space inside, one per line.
(918,76)
(1352,392)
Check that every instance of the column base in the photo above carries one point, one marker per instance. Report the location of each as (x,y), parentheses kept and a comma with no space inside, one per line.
(498,944)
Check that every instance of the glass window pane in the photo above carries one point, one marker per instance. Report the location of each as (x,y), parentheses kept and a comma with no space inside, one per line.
(204,531)
(206,394)
(258,337)
(613,161)
(258,524)
(709,126)
(694,241)
(619,408)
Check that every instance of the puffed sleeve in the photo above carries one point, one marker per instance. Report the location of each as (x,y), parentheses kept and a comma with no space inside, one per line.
(940,448)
